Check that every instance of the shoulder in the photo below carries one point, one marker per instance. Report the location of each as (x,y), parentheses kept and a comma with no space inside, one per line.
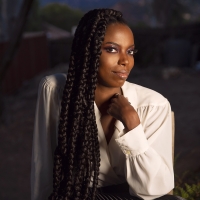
(144,96)
(51,87)
(54,81)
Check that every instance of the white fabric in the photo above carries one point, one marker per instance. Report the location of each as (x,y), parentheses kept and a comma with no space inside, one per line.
(142,156)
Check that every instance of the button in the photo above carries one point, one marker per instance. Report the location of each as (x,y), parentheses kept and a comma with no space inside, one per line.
(127,152)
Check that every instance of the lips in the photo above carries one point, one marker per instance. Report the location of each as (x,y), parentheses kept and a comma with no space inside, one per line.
(123,74)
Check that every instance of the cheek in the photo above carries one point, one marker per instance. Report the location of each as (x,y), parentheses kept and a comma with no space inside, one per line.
(108,60)
(103,71)
(105,68)
(131,63)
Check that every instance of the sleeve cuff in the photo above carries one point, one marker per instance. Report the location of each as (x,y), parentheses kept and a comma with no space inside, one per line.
(133,142)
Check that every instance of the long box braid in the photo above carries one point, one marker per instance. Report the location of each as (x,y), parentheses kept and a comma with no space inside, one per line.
(77,155)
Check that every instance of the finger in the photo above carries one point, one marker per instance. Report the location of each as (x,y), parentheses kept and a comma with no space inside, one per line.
(116,95)
(108,111)
(128,100)
(113,100)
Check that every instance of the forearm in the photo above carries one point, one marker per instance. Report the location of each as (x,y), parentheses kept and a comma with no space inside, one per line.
(148,176)
(148,151)
(130,120)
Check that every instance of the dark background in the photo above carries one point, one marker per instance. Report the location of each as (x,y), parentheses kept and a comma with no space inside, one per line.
(168,60)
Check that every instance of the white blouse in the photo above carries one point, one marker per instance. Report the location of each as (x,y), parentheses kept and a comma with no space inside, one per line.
(141,157)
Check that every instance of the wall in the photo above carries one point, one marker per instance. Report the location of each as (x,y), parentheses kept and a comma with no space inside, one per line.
(31,58)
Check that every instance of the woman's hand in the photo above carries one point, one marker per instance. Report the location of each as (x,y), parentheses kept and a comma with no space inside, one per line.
(121,109)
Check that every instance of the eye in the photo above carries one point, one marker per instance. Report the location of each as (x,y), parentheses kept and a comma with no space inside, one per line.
(111,49)
(132,51)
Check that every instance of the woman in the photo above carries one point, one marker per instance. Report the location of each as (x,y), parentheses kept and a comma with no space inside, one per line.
(110,131)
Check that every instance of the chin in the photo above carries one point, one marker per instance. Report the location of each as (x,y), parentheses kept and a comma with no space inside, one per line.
(112,84)
(120,83)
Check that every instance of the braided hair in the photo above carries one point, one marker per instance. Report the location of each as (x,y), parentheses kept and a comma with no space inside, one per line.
(77,155)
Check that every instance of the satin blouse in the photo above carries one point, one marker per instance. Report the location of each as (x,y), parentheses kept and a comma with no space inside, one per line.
(141,157)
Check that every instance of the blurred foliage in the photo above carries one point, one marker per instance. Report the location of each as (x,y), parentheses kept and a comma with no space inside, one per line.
(170,12)
(189,192)
(187,185)
(167,13)
(34,19)
(140,24)
(61,15)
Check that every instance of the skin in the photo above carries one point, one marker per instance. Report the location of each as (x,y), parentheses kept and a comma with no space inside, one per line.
(116,62)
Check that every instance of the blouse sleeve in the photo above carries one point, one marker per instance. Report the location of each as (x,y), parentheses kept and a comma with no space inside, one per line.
(148,151)
(44,139)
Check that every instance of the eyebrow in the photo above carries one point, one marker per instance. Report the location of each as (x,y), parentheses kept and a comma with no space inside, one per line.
(118,44)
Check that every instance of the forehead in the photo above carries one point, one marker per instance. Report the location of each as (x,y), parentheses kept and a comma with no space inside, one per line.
(119,33)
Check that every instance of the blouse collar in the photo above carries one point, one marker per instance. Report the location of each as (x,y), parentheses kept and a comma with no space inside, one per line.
(128,92)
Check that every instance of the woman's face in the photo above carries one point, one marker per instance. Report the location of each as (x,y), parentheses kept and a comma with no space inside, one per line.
(116,60)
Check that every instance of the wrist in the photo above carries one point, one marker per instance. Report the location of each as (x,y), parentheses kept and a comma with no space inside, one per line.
(130,120)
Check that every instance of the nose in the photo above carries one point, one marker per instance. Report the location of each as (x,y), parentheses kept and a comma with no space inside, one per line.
(123,59)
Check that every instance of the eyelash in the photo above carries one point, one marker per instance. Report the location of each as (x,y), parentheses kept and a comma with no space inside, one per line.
(134,51)
(110,50)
